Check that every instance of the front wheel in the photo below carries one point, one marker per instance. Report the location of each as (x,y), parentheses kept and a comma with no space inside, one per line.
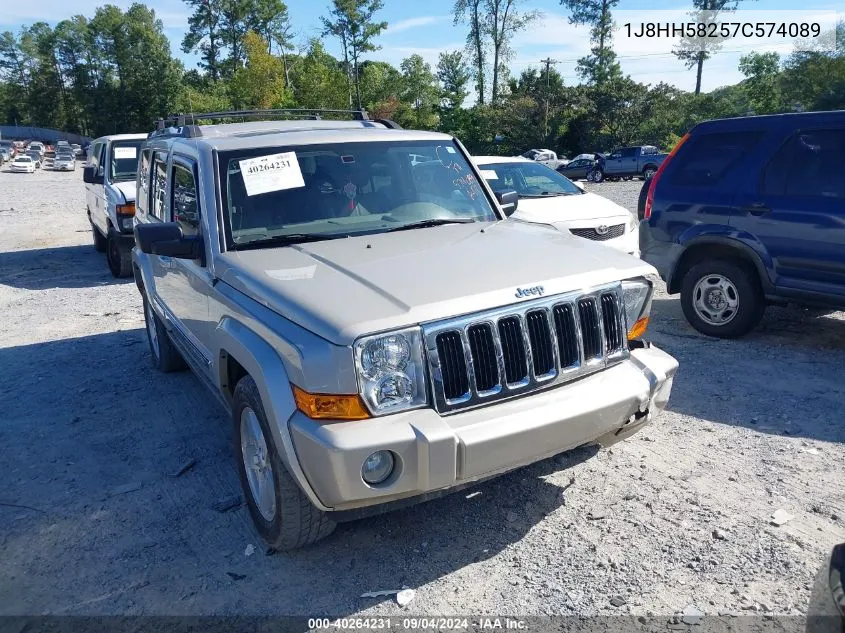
(722,298)
(597,175)
(280,511)
(649,172)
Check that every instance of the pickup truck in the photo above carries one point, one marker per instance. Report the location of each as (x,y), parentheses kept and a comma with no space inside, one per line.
(547,157)
(628,162)
(339,287)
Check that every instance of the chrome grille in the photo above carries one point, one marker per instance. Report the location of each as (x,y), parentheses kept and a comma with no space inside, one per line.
(506,352)
(609,232)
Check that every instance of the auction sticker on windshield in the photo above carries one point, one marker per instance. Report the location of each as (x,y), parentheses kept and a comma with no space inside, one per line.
(125,152)
(274,172)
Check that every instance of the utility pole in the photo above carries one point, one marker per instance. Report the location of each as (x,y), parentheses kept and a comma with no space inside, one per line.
(548,62)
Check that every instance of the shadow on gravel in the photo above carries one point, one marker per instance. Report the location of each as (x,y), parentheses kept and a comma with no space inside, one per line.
(60,267)
(783,378)
(108,504)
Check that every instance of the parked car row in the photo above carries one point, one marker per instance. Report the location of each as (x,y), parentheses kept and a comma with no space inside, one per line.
(322,279)
(37,150)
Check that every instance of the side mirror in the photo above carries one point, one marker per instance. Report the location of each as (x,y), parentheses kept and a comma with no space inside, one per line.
(508,200)
(166,238)
(90,175)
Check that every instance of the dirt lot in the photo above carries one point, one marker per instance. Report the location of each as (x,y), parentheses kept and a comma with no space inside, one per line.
(93,521)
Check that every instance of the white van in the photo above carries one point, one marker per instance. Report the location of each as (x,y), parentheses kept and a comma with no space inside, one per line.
(110,182)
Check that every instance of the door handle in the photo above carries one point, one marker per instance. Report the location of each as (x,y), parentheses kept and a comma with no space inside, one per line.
(758,208)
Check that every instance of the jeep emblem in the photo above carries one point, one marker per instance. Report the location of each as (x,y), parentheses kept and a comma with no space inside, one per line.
(535,291)
(602,229)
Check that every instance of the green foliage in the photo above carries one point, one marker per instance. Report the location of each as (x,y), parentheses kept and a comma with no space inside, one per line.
(318,80)
(600,66)
(454,75)
(260,84)
(762,85)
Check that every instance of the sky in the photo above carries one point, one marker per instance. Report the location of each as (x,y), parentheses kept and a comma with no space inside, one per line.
(427,29)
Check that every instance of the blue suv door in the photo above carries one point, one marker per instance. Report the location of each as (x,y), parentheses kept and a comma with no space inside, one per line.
(798,213)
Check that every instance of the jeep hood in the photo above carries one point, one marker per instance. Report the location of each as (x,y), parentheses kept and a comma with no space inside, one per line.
(127,188)
(344,288)
(586,206)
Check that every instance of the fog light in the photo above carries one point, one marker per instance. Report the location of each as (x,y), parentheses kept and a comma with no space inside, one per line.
(377,467)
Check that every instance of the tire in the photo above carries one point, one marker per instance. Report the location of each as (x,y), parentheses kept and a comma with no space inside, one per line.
(288,519)
(627,178)
(118,257)
(100,241)
(649,171)
(166,358)
(598,175)
(729,282)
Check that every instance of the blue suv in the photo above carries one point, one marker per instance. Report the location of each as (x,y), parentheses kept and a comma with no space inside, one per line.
(748,212)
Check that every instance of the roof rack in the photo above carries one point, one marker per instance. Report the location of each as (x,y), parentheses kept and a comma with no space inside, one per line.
(186,124)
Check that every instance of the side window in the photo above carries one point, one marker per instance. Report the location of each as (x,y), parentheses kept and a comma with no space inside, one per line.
(183,203)
(628,152)
(94,155)
(158,186)
(809,164)
(143,180)
(704,160)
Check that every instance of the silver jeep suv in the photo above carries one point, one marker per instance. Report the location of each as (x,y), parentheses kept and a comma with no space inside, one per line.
(378,328)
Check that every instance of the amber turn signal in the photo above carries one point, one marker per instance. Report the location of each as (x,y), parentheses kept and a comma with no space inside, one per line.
(639,328)
(329,406)
(126,209)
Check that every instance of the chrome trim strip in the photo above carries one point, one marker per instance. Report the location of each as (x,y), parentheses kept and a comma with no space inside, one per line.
(460,325)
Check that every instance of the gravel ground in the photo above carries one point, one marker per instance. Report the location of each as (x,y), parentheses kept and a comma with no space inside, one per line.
(95,522)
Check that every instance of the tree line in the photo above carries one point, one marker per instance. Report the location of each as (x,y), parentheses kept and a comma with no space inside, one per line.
(115,72)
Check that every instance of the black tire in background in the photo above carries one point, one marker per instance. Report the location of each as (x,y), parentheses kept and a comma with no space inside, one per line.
(118,257)
(750,306)
(100,241)
(166,358)
(642,198)
(296,522)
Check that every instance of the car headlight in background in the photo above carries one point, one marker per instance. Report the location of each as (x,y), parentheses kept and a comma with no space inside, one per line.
(636,301)
(391,371)
(633,224)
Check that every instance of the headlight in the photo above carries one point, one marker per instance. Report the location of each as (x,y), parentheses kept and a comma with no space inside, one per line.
(391,372)
(633,223)
(636,301)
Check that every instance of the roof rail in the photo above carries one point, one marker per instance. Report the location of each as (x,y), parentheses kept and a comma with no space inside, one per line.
(185,125)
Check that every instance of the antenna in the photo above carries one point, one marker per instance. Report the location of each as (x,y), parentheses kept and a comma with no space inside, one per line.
(548,62)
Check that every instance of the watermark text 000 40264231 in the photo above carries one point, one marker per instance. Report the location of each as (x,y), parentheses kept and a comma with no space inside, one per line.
(781,31)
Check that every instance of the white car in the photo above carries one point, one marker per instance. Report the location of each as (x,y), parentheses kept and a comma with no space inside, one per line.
(23,164)
(547,197)
(37,146)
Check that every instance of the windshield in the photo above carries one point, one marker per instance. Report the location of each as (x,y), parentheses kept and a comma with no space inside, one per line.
(124,160)
(529,180)
(347,189)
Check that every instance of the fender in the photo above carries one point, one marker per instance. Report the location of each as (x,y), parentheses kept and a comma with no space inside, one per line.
(728,237)
(268,371)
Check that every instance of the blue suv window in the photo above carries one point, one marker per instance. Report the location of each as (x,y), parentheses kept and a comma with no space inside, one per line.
(808,164)
(704,160)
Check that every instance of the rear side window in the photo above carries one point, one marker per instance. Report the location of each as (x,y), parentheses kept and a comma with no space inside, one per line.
(704,160)
(809,164)
(158,186)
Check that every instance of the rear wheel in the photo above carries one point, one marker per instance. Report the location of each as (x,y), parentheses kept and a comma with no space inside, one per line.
(166,358)
(281,512)
(119,257)
(649,172)
(722,298)
(597,175)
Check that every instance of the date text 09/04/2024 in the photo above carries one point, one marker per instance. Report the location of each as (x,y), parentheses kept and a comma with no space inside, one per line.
(418,624)
(722,30)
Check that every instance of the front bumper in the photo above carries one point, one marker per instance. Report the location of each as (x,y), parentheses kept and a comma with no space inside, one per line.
(436,452)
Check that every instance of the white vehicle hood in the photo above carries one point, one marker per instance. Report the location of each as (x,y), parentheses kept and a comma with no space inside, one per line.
(344,288)
(127,189)
(587,206)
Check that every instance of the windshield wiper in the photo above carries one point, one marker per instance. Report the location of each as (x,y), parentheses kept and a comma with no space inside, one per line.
(284,240)
(422,224)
